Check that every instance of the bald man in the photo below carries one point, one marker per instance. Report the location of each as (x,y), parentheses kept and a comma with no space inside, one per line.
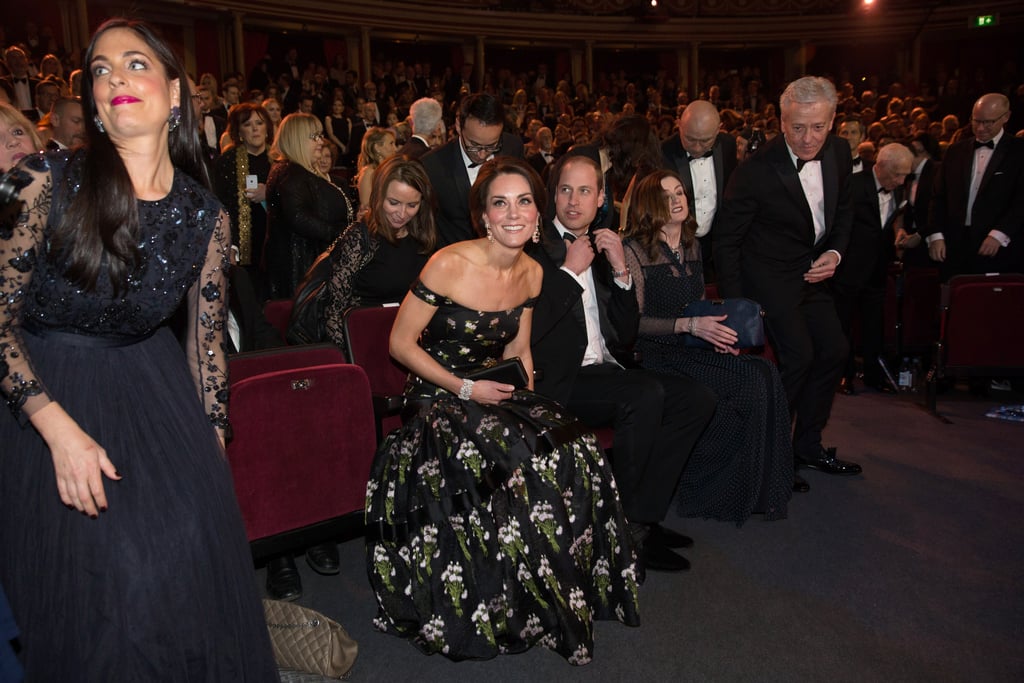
(704,158)
(879,200)
(978,203)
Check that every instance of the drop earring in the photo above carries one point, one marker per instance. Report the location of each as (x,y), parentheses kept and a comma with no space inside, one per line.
(536,233)
(174,119)
(490,235)
(99,123)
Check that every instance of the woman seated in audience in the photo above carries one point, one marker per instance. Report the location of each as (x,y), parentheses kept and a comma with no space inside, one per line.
(273,108)
(378,145)
(743,463)
(18,137)
(250,132)
(493,522)
(377,258)
(305,210)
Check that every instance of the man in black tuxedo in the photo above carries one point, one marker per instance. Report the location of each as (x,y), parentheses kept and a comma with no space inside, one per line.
(920,185)
(978,205)
(879,201)
(783,227)
(453,167)
(852,130)
(67,124)
(427,120)
(704,158)
(584,326)
(21,83)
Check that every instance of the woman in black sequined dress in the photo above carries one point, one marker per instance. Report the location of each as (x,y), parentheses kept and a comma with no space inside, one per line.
(122,550)
(743,463)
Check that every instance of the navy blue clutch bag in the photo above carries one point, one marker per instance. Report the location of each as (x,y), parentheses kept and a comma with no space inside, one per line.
(745,317)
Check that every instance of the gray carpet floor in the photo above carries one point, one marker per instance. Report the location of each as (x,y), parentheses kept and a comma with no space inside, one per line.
(913,571)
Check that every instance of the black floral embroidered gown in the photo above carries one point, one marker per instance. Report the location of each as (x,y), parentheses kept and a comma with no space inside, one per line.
(160,587)
(491,529)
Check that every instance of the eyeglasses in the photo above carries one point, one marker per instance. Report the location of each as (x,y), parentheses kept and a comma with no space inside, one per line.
(482,149)
(989,122)
(317,136)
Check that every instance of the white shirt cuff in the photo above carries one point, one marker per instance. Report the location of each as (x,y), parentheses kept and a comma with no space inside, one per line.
(1000,236)
(932,237)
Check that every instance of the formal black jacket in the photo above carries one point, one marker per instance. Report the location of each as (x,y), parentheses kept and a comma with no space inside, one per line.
(414,148)
(872,245)
(764,241)
(255,332)
(918,217)
(998,206)
(304,215)
(450,180)
(559,337)
(723,154)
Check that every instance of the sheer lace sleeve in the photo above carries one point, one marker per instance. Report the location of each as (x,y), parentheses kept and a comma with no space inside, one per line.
(21,246)
(636,259)
(349,255)
(207,322)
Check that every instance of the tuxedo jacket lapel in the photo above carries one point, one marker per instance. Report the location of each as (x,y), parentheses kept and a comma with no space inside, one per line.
(998,154)
(830,185)
(791,181)
(717,157)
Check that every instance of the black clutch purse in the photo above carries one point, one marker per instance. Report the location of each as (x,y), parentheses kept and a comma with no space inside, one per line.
(509,371)
(745,317)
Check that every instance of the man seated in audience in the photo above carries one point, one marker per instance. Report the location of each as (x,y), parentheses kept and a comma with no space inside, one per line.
(427,120)
(852,130)
(584,326)
(66,124)
(453,167)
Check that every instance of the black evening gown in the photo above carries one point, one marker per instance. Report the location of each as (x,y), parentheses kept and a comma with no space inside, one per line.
(160,587)
(743,462)
(484,536)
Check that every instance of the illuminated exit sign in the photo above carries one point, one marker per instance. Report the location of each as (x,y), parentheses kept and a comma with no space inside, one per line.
(983,20)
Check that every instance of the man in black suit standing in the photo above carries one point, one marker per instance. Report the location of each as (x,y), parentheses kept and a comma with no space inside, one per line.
(920,185)
(783,227)
(978,204)
(427,120)
(704,158)
(879,200)
(453,168)
(584,326)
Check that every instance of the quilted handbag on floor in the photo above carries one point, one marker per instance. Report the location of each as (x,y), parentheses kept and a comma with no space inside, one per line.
(308,641)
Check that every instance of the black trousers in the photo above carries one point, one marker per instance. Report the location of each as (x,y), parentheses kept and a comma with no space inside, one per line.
(657,420)
(812,350)
(868,304)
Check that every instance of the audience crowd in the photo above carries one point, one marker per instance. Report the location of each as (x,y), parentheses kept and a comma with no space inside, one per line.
(799,195)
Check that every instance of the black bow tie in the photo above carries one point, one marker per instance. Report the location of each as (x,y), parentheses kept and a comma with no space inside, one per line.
(989,144)
(705,155)
(858,162)
(882,190)
(800,162)
(19,80)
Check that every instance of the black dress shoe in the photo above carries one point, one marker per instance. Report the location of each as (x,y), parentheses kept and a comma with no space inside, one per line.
(800,484)
(825,460)
(669,538)
(283,581)
(324,558)
(658,558)
(846,386)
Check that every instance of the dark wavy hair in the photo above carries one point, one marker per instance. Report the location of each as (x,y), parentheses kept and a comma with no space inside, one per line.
(499,166)
(633,148)
(240,114)
(421,227)
(648,211)
(102,221)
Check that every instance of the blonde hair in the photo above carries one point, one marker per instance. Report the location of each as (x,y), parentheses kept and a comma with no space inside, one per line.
(368,154)
(292,140)
(12,117)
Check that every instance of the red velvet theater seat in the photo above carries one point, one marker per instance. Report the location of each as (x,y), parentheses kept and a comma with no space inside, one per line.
(368,333)
(302,445)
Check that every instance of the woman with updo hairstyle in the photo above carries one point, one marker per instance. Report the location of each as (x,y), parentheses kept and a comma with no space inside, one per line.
(743,462)
(305,210)
(250,132)
(493,522)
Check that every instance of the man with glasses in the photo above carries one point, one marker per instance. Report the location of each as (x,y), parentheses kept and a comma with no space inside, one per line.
(453,167)
(704,158)
(978,203)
